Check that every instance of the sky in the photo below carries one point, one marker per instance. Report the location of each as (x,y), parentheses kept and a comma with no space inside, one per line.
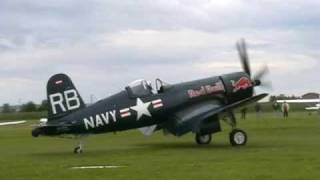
(104,45)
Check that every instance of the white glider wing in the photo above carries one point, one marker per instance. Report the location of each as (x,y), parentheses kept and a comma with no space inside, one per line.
(11,123)
(314,108)
(300,101)
(305,101)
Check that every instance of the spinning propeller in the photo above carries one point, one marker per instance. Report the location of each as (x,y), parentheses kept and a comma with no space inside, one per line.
(257,79)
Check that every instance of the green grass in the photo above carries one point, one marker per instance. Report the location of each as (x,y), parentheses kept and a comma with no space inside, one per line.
(277,149)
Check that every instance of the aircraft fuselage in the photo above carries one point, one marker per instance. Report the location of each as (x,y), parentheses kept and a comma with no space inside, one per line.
(124,110)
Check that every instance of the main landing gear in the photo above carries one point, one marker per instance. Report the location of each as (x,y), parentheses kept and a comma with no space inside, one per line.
(237,137)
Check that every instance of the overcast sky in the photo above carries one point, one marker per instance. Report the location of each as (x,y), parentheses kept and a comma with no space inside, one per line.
(104,45)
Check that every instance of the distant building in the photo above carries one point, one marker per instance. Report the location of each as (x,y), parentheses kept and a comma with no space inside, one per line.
(311,96)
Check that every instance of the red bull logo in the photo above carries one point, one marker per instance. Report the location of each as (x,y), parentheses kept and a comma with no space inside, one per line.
(242,83)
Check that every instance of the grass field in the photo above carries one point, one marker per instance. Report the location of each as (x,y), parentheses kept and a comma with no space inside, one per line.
(276,149)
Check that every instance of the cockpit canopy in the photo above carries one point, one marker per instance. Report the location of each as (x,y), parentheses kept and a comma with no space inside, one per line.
(139,88)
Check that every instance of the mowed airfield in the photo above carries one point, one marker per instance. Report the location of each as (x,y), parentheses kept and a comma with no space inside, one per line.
(276,149)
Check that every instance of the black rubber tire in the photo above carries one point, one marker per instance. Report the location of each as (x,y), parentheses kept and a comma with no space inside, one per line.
(35,133)
(203,139)
(238,137)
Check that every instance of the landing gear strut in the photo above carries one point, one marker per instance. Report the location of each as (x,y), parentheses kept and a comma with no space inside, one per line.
(203,139)
(237,137)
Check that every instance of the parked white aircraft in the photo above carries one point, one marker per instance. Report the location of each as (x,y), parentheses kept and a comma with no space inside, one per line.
(315,102)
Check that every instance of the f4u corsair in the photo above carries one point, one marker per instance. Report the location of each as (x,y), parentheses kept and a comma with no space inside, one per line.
(195,106)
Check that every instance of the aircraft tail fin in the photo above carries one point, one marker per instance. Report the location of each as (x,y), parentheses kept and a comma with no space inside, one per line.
(63,97)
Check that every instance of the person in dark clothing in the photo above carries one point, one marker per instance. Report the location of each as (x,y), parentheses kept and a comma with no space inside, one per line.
(243,113)
(258,109)
(275,106)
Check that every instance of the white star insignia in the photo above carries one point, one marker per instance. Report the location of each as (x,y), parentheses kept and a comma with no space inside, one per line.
(141,108)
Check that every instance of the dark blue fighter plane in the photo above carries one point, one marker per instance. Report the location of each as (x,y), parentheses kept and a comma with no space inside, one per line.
(194,106)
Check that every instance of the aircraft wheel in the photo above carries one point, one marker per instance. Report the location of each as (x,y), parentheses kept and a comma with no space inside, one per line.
(35,133)
(77,150)
(203,139)
(238,137)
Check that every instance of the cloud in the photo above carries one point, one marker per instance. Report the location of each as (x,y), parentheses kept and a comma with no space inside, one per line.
(103,45)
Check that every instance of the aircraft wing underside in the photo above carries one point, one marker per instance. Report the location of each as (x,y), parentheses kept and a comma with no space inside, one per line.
(201,115)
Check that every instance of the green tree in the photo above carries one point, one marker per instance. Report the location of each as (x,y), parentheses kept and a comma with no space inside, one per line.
(272,98)
(29,107)
(43,106)
(6,108)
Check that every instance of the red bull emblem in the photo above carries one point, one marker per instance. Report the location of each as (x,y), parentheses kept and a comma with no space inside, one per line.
(242,83)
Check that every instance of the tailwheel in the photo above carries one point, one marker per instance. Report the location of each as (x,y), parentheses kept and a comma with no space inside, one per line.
(203,139)
(78,149)
(238,137)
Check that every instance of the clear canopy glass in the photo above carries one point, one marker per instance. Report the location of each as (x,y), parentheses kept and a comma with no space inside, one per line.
(140,88)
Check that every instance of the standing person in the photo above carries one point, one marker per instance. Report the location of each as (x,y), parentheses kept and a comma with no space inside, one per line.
(258,109)
(285,109)
(276,108)
(243,113)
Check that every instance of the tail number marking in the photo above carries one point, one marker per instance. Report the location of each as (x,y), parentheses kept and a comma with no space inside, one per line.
(70,96)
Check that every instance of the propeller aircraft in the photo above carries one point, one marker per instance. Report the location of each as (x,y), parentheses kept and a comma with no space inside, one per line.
(195,106)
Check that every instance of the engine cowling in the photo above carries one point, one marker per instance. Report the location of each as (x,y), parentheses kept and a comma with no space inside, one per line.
(238,86)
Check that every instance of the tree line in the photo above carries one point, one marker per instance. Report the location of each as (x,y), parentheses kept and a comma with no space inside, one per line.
(27,107)
(274,98)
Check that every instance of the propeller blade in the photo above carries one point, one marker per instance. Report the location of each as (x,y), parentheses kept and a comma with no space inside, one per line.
(261,73)
(242,50)
(267,85)
(244,58)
